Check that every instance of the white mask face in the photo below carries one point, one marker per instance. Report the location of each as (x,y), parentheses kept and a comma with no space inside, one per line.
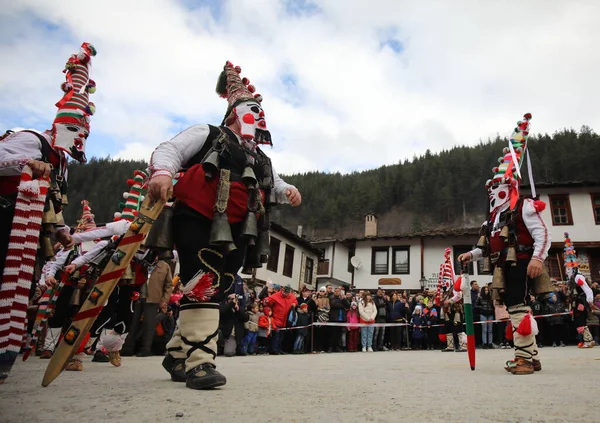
(70,138)
(499,195)
(253,125)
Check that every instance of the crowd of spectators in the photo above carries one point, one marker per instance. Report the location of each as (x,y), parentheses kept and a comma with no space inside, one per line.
(278,320)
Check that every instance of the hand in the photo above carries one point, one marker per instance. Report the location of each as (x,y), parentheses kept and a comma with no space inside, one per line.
(65,238)
(160,188)
(70,268)
(534,269)
(293,196)
(466,257)
(39,168)
(50,281)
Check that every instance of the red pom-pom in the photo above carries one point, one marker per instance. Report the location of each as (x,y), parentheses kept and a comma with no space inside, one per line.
(457,284)
(527,115)
(130,182)
(245,81)
(251,88)
(238,69)
(442,337)
(134,296)
(509,332)
(539,206)
(524,328)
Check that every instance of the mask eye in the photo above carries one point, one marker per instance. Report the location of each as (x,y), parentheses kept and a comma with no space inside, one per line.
(255,109)
(73,128)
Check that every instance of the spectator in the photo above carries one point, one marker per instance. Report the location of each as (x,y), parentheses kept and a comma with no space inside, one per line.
(337,313)
(432,332)
(476,317)
(251,326)
(329,291)
(557,324)
(160,287)
(165,325)
(322,304)
(231,324)
(281,303)
(596,312)
(368,313)
(418,333)
(501,314)
(397,311)
(265,326)
(302,332)
(457,318)
(379,333)
(484,308)
(353,317)
(537,308)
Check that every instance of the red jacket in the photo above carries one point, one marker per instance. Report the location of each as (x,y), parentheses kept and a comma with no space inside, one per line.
(281,307)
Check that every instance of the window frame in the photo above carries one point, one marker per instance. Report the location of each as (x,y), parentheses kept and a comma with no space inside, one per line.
(308,275)
(272,256)
(567,207)
(400,248)
(375,250)
(594,196)
(291,249)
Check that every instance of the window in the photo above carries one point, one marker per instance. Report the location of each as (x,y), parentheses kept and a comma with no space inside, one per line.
(596,207)
(480,270)
(288,261)
(308,271)
(273,255)
(458,250)
(561,210)
(401,260)
(554,262)
(379,261)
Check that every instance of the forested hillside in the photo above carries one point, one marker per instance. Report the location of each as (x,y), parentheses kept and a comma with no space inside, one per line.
(431,191)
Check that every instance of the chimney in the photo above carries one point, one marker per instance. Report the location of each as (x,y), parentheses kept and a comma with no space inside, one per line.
(370,225)
(299,231)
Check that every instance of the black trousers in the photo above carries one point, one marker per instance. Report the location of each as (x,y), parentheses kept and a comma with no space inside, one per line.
(191,233)
(63,310)
(516,284)
(118,312)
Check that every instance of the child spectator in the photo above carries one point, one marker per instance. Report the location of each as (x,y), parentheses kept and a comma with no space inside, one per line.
(418,333)
(251,338)
(432,332)
(457,318)
(368,312)
(353,317)
(264,330)
(302,319)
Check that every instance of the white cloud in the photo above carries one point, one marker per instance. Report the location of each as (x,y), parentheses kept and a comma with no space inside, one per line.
(468,70)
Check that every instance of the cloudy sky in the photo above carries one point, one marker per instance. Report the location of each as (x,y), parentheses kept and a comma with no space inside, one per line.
(347,85)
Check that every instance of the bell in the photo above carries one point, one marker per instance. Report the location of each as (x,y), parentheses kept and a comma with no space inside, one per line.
(220,231)
(76,296)
(482,243)
(47,247)
(262,243)
(248,177)
(228,248)
(64,200)
(487,265)
(128,274)
(160,237)
(252,260)
(246,270)
(504,232)
(264,258)
(211,165)
(98,260)
(49,216)
(250,227)
(511,256)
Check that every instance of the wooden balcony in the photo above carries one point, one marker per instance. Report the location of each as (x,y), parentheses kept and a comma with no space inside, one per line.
(323,268)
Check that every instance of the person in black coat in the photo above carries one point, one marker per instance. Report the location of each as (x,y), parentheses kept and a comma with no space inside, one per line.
(338,307)
(484,307)
(232,315)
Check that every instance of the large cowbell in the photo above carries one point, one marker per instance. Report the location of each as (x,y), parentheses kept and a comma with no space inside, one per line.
(251,261)
(220,232)
(211,165)
(262,245)
(160,237)
(250,228)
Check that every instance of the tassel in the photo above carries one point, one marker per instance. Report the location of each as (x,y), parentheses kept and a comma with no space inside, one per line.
(524,328)
(534,327)
(442,337)
(200,288)
(509,332)
(539,206)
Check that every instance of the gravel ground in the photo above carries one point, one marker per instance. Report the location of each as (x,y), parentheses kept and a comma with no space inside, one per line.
(427,386)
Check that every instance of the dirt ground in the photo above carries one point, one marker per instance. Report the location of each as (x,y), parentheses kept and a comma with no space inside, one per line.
(427,386)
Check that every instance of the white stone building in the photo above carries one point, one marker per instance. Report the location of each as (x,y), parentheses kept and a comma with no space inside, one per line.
(572,207)
(292,261)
